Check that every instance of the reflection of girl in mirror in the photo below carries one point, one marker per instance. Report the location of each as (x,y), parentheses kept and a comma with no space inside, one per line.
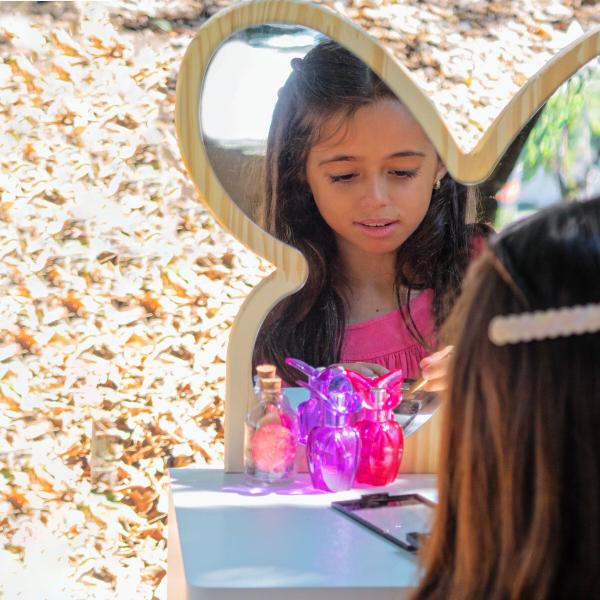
(354,183)
(519,479)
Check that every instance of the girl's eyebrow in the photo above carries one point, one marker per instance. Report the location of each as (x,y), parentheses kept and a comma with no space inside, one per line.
(347,158)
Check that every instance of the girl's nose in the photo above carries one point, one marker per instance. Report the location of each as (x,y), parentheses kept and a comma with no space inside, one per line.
(375,192)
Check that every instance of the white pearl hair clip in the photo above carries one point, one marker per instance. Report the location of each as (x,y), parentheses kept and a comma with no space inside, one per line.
(543,324)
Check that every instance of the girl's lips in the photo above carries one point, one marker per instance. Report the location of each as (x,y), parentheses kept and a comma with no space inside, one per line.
(377,228)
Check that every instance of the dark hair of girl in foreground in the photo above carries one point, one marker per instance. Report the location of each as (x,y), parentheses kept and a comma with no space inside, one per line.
(519,477)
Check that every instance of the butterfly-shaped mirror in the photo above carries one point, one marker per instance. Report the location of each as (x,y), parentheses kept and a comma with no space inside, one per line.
(228,89)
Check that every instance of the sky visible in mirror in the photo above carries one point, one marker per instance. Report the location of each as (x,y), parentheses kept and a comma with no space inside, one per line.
(243,79)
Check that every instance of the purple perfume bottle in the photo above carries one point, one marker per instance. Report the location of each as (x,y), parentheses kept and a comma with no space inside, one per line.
(320,382)
(381,437)
(333,449)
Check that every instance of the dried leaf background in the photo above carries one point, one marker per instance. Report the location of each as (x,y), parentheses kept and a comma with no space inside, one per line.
(117,289)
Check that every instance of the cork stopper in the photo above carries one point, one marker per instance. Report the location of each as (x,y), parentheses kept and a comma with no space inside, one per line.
(266,371)
(272,384)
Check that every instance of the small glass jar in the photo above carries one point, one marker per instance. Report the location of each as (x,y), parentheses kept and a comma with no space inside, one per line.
(271,438)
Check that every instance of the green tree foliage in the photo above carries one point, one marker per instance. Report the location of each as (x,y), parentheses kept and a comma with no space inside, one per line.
(566,138)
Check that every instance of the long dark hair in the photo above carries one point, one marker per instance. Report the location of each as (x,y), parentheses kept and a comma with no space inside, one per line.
(331,82)
(519,476)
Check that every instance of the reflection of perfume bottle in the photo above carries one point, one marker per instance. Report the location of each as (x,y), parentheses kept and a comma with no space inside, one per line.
(382,441)
(271,437)
(320,382)
(333,448)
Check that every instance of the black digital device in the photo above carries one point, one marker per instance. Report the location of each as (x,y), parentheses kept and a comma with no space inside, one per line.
(403,519)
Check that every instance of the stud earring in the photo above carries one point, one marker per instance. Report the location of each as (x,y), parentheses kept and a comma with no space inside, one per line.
(437,185)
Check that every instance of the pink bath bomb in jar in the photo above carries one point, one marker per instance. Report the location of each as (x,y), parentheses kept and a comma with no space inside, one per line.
(273,447)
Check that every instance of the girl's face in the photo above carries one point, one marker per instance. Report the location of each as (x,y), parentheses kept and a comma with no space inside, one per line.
(372,177)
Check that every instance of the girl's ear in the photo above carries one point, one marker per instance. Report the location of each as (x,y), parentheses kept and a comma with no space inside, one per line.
(441,171)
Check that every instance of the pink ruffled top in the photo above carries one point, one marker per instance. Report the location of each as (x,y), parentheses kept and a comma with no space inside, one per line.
(386,341)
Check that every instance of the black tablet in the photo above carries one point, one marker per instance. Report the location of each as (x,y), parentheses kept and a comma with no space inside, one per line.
(403,519)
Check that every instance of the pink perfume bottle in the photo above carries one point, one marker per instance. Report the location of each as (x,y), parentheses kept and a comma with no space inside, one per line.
(382,440)
(271,438)
(333,449)
(391,382)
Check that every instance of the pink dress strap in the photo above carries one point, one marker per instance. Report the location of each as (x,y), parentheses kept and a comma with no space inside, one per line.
(386,341)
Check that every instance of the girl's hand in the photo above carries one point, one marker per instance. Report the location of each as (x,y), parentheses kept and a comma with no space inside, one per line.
(366,369)
(434,368)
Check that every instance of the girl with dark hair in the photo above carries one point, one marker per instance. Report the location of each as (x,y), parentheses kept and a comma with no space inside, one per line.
(519,480)
(354,183)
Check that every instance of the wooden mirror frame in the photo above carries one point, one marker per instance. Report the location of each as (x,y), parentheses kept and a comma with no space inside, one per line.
(290,267)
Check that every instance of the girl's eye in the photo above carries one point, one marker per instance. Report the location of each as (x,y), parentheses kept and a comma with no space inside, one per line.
(403,174)
(344,177)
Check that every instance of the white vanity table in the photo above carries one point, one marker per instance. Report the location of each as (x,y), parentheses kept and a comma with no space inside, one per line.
(228,541)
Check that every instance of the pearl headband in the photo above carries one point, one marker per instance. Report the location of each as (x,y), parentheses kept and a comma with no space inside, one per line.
(543,324)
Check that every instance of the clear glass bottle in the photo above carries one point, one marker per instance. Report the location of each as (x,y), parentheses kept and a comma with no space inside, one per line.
(271,438)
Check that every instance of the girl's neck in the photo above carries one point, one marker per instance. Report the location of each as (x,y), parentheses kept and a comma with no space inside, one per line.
(369,283)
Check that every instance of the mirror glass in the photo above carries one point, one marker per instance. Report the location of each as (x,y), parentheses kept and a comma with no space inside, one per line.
(556,156)
(239,95)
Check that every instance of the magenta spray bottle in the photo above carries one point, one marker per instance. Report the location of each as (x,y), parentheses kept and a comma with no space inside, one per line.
(382,440)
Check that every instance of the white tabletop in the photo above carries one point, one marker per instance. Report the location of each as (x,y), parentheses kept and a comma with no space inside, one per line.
(227,541)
